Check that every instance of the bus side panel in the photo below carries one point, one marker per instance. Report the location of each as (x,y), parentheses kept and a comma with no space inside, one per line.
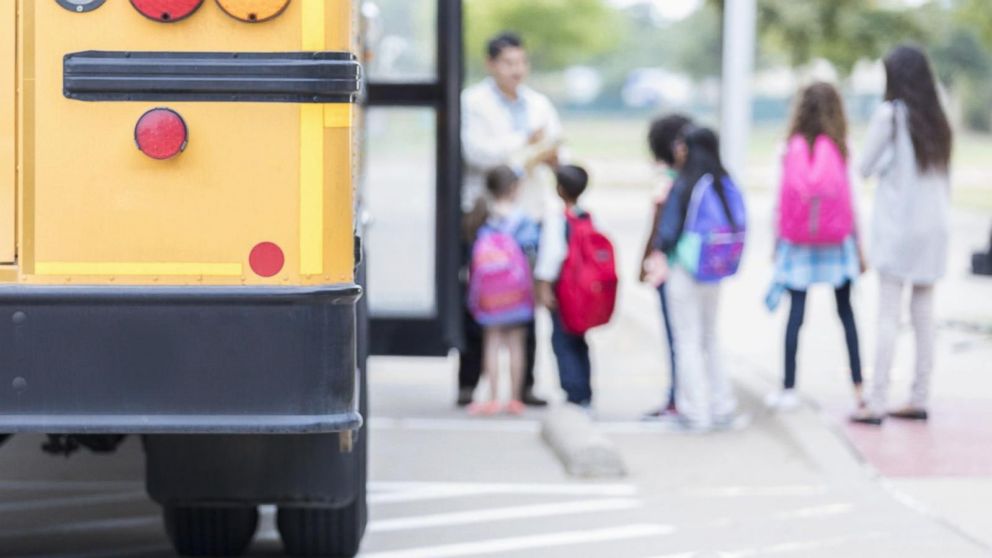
(8,131)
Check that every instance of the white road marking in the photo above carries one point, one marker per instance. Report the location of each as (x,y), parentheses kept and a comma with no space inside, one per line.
(817,511)
(72,501)
(87,526)
(69,485)
(797,546)
(512,544)
(457,425)
(394,492)
(759,491)
(502,514)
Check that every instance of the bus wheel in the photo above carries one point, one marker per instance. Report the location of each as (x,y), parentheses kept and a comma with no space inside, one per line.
(327,532)
(200,530)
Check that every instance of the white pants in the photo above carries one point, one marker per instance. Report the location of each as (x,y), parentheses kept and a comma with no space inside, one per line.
(889,317)
(704,391)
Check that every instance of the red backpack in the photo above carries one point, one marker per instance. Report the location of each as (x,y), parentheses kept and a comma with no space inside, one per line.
(587,286)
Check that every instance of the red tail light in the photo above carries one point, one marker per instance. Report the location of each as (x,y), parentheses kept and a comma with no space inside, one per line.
(266,259)
(161,133)
(166,10)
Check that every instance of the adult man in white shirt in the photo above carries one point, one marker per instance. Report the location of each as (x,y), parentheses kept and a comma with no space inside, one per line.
(505,122)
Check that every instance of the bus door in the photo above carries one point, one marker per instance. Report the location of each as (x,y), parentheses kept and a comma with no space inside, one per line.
(8,68)
(413,175)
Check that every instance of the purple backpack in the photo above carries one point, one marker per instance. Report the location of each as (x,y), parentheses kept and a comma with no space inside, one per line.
(500,285)
(712,240)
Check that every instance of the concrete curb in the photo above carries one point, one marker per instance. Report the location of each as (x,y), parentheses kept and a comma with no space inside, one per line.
(582,450)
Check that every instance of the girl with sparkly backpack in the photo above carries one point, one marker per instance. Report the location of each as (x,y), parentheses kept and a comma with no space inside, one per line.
(700,239)
(501,287)
(816,233)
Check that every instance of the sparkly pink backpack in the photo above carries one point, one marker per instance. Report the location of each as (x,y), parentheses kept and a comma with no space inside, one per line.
(815,206)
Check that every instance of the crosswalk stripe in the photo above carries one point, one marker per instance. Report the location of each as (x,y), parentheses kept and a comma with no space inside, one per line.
(513,544)
(502,514)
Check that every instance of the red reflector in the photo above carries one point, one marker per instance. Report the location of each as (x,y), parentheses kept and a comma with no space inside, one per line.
(266,259)
(161,133)
(166,10)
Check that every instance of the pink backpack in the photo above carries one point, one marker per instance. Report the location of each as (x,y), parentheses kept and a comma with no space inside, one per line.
(500,285)
(815,205)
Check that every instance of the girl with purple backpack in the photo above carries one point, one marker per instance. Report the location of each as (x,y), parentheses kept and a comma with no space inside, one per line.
(701,235)
(815,232)
(501,287)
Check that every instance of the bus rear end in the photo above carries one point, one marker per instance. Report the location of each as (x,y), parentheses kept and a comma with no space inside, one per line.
(178,253)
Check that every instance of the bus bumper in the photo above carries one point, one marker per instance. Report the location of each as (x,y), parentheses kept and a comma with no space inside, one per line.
(178,360)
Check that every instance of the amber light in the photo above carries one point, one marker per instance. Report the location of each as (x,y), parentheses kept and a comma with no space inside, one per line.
(161,133)
(166,10)
(253,11)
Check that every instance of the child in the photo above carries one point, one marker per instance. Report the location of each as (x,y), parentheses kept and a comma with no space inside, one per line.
(816,229)
(570,347)
(909,148)
(702,235)
(501,296)
(670,158)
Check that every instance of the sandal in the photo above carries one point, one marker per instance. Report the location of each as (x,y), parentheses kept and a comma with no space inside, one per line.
(910,413)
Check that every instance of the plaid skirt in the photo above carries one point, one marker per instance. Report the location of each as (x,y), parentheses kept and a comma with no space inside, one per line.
(798,267)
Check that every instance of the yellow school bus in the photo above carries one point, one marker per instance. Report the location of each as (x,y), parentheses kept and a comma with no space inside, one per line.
(178,254)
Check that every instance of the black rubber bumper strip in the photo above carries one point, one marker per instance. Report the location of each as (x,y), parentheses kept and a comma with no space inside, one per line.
(285,77)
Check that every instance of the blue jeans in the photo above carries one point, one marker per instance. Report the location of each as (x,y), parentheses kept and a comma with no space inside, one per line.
(574,368)
(671,343)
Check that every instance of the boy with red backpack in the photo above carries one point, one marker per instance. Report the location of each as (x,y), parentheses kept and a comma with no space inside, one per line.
(576,281)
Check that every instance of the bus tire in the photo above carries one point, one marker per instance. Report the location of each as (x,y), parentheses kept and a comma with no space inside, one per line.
(202,530)
(322,531)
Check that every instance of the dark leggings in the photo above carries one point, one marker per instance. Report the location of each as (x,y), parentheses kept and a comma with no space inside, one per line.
(846,313)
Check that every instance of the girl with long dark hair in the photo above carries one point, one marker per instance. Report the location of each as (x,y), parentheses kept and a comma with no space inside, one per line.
(705,398)
(909,149)
(816,228)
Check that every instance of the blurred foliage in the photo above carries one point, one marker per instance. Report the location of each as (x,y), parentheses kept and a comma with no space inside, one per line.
(558,33)
(839,31)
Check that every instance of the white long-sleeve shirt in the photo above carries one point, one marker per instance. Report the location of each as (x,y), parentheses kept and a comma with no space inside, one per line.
(495,131)
(911,221)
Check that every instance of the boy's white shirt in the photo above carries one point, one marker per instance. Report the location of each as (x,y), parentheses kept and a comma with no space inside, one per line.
(553,249)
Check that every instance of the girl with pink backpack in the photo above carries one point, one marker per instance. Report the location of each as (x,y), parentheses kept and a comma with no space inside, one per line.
(501,287)
(816,228)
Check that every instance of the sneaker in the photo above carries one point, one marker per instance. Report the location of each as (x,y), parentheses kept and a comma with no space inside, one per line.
(785,400)
(732,421)
(664,414)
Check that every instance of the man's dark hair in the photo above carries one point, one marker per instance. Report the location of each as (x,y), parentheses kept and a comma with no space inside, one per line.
(501,42)
(663,134)
(572,181)
(500,182)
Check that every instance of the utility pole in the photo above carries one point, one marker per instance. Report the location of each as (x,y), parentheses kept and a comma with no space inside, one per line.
(740,19)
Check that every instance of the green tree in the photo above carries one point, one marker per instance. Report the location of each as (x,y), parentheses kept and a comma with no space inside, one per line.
(840,31)
(558,33)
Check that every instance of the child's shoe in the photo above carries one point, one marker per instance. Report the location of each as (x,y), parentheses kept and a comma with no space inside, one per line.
(486,409)
(515,408)
(785,400)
